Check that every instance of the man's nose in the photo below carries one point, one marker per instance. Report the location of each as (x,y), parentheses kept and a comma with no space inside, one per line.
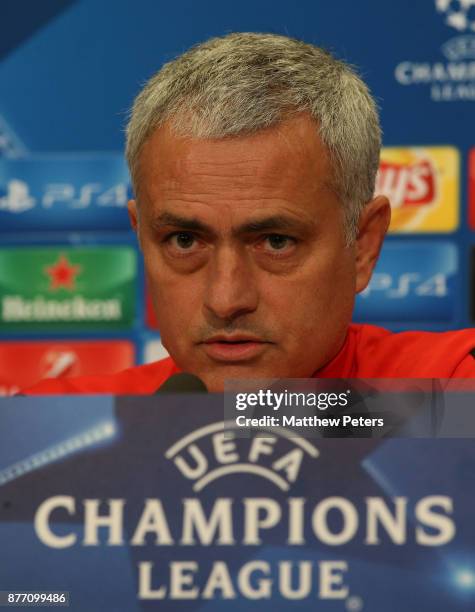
(231,289)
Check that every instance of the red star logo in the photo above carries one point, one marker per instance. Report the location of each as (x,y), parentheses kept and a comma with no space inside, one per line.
(62,274)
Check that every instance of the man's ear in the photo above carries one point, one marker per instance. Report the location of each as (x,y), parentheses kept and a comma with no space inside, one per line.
(134,218)
(372,227)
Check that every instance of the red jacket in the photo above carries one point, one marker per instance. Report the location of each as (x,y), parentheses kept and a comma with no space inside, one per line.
(368,352)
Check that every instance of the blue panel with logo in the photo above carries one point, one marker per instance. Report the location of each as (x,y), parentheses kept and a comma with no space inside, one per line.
(413,282)
(68,192)
(147,504)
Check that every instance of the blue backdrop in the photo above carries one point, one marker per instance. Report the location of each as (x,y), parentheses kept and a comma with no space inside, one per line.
(70,69)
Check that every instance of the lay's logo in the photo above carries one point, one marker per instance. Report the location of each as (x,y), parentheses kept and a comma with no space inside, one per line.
(411,185)
(422,185)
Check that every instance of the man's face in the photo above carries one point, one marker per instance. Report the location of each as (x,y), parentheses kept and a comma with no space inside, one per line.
(245,254)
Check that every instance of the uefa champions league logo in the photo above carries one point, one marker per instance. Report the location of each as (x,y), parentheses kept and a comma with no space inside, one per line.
(459,14)
(451,79)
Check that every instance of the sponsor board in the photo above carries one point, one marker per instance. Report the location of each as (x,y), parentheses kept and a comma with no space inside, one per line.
(22,364)
(67,288)
(71,192)
(413,282)
(422,184)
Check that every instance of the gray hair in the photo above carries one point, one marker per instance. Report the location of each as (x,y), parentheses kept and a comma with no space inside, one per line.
(242,83)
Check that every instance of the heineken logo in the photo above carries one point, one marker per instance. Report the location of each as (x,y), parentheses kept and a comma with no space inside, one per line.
(15,308)
(67,288)
(62,274)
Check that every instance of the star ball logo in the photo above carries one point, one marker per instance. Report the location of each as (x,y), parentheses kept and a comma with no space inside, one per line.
(459,14)
(452,78)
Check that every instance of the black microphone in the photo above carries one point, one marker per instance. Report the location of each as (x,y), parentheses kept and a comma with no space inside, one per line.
(182,383)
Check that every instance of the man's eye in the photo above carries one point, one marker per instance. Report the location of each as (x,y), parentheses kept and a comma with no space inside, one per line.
(182,240)
(278,242)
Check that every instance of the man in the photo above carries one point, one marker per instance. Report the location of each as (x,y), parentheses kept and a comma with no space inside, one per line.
(253,159)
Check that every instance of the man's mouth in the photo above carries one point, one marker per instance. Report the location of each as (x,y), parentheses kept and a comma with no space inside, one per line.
(233,348)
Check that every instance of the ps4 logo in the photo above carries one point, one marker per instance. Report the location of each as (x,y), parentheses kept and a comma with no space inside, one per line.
(16,198)
(409,283)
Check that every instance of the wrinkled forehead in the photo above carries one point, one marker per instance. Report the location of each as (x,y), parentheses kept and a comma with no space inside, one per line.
(287,159)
